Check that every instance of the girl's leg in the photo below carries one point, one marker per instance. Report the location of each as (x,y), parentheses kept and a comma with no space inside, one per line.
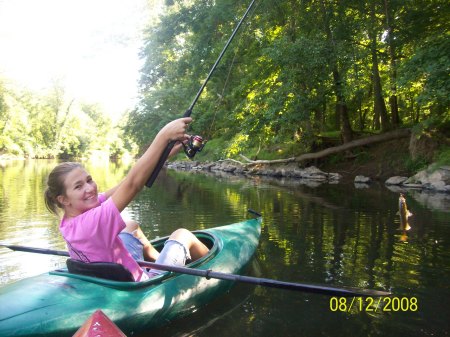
(181,246)
(150,253)
(196,248)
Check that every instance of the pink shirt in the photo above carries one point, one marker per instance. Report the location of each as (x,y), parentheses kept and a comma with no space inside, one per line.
(93,237)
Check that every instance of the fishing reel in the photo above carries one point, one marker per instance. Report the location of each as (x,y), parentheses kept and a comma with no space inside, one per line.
(194,144)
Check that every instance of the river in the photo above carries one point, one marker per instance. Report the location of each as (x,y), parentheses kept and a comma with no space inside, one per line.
(332,234)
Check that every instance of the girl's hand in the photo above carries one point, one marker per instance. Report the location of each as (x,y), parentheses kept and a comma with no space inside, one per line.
(140,172)
(176,130)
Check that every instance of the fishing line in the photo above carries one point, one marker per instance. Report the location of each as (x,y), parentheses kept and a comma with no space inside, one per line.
(216,104)
(188,112)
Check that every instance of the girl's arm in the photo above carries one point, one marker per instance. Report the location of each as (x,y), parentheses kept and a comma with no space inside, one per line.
(173,152)
(123,193)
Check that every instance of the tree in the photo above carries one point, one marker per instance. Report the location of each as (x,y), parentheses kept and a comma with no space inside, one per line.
(296,69)
(380,111)
(390,30)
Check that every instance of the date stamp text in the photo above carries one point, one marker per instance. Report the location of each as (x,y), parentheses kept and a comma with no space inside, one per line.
(374,304)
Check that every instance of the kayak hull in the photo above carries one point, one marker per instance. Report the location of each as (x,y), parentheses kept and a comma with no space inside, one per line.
(57,303)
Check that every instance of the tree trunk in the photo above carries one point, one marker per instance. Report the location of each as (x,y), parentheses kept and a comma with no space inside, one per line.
(379,104)
(341,105)
(60,128)
(393,101)
(396,134)
(341,109)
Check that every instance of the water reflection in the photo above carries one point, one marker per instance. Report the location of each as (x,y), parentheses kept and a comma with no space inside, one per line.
(332,234)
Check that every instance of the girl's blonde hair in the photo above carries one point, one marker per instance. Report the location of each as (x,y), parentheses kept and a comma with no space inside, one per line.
(55,185)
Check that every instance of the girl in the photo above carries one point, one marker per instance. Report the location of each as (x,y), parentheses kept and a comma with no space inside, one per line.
(92,225)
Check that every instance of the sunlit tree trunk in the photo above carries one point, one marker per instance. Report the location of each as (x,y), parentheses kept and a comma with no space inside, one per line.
(393,101)
(379,104)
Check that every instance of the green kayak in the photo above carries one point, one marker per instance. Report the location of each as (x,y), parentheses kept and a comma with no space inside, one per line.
(57,303)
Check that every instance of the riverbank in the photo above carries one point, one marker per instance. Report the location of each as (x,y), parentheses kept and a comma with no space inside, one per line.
(384,163)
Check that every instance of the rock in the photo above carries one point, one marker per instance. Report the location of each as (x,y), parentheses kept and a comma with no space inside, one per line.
(431,176)
(312,173)
(362,180)
(413,186)
(396,180)
(228,168)
(334,177)
(361,185)
(240,170)
(432,179)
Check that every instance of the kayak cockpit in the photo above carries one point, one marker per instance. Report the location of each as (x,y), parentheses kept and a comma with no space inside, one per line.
(116,276)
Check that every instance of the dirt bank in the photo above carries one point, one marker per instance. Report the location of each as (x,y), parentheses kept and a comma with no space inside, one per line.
(379,161)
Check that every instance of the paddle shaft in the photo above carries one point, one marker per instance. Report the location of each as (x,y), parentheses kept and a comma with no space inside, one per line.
(209,274)
(311,288)
(36,250)
(188,112)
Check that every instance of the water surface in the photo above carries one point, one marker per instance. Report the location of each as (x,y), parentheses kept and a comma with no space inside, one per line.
(335,235)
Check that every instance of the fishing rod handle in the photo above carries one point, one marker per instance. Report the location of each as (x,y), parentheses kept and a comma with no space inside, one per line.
(160,164)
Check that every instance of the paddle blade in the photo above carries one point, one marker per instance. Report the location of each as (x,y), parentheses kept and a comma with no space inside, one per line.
(99,325)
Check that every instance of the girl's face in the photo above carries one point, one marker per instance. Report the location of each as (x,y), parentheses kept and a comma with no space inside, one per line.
(81,193)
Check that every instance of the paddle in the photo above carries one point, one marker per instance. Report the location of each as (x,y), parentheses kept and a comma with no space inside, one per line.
(265,282)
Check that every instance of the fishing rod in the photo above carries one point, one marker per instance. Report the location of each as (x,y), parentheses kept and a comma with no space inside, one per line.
(195,143)
(209,274)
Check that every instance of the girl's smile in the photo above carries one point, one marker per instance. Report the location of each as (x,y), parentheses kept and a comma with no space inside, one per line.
(81,193)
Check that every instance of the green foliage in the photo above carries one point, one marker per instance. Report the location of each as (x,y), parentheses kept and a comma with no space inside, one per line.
(428,70)
(212,151)
(362,157)
(296,69)
(443,156)
(289,69)
(52,125)
(434,122)
(415,165)
(236,145)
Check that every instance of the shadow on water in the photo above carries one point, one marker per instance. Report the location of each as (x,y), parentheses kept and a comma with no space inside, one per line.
(335,235)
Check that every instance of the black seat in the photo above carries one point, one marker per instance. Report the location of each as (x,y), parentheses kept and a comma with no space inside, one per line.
(105,270)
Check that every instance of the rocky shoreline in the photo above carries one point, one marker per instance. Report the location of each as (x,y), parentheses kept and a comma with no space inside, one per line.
(433,178)
(436,179)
